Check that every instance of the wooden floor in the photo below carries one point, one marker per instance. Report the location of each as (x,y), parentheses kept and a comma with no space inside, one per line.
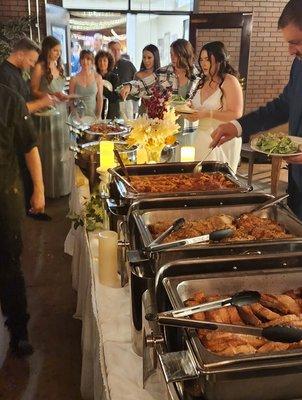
(53,372)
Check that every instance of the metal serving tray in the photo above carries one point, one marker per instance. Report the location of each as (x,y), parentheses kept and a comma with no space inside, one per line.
(119,189)
(271,376)
(144,213)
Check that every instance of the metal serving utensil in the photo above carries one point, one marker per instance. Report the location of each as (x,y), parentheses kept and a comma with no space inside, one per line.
(213,236)
(239,299)
(176,225)
(198,167)
(269,203)
(121,162)
(128,184)
(278,333)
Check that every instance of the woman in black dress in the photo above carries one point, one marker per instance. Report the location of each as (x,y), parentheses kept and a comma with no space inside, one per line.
(104,64)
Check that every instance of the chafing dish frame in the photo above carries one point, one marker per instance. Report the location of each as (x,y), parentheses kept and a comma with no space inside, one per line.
(226,377)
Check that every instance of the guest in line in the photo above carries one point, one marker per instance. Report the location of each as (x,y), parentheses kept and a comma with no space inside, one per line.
(53,134)
(150,63)
(219,98)
(104,63)
(89,85)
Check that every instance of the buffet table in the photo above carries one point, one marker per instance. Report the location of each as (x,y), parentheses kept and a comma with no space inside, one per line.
(110,368)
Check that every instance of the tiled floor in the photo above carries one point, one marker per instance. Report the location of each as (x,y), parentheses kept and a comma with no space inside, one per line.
(53,372)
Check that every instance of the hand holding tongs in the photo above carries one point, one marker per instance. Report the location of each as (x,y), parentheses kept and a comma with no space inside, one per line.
(285,334)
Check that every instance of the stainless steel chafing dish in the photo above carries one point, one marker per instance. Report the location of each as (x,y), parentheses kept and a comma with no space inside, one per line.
(82,131)
(145,264)
(123,192)
(176,356)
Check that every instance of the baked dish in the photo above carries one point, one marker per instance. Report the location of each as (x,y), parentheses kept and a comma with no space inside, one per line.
(283,309)
(104,128)
(170,183)
(245,227)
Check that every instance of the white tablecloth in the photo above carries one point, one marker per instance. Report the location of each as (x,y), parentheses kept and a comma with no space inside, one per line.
(110,368)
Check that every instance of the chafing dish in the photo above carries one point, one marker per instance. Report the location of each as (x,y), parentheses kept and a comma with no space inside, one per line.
(145,264)
(128,196)
(177,356)
(85,131)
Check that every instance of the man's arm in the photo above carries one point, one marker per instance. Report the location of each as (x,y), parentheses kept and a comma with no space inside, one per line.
(33,163)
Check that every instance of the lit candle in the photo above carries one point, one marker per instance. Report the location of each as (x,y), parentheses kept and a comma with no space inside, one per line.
(106,155)
(187,153)
(108,258)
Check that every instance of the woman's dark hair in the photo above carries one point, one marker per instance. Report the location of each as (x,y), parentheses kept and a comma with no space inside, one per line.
(185,53)
(154,50)
(86,54)
(49,42)
(291,14)
(219,52)
(104,54)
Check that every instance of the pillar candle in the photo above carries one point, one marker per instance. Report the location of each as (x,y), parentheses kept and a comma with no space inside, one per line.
(106,155)
(108,258)
(187,153)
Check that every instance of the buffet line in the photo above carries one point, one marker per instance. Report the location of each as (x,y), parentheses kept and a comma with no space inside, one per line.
(215,273)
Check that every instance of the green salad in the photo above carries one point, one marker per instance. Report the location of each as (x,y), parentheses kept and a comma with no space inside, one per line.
(276,143)
(175,98)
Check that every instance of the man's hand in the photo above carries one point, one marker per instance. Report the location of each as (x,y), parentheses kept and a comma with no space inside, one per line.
(223,133)
(37,202)
(125,91)
(293,159)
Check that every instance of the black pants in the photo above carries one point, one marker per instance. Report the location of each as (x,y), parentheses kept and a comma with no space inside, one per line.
(12,286)
(295,192)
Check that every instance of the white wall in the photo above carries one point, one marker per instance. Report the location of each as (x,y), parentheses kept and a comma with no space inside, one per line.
(150,28)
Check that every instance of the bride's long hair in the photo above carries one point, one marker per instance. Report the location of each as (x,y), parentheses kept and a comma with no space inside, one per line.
(218,51)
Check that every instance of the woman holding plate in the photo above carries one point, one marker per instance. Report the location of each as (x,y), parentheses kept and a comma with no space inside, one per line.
(53,133)
(218,98)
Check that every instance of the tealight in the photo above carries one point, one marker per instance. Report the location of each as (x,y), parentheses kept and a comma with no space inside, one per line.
(187,153)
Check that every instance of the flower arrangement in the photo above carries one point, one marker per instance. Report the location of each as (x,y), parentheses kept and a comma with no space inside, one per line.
(157,128)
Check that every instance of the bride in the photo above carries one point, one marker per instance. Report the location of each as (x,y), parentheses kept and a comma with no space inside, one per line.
(218,98)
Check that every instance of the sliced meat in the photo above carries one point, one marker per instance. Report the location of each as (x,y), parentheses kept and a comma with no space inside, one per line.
(273,346)
(263,312)
(235,350)
(247,315)
(284,320)
(234,316)
(289,303)
(271,301)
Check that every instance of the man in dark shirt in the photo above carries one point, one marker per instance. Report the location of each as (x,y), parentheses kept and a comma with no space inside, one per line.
(23,57)
(125,71)
(16,130)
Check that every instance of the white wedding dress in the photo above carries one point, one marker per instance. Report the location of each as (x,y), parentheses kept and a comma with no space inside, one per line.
(229,152)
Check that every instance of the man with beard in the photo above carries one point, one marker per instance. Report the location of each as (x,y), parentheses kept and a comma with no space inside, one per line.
(286,108)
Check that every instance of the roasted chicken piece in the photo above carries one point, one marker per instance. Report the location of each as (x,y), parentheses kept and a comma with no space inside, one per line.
(290,305)
(247,315)
(234,316)
(273,346)
(235,350)
(295,293)
(281,303)
(263,312)
(284,320)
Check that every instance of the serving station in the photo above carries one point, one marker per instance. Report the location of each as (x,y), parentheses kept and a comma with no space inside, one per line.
(206,296)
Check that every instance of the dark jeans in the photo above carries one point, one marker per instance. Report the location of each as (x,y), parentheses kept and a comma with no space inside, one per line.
(12,286)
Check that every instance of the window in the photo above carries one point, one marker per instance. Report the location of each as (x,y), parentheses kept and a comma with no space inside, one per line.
(135,5)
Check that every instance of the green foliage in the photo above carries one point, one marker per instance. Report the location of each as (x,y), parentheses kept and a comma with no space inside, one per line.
(11,31)
(92,216)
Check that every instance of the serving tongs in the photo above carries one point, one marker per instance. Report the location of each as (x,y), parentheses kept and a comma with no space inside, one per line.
(213,236)
(278,333)
(121,178)
(269,203)
(198,167)
(176,225)
(121,162)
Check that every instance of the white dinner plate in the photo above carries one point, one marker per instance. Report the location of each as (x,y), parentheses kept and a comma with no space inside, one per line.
(295,139)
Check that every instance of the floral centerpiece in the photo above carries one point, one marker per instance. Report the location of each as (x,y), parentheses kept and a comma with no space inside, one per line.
(92,215)
(157,128)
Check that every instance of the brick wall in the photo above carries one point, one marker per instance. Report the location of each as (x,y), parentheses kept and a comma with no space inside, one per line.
(269,60)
